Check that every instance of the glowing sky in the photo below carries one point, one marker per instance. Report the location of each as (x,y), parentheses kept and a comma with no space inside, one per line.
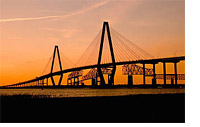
(29,29)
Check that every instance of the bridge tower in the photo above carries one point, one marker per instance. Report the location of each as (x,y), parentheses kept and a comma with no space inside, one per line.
(61,76)
(113,66)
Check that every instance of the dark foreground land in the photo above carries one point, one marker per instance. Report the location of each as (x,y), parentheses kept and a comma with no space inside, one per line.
(135,108)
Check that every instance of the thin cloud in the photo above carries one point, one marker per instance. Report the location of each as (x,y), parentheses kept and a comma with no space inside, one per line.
(57,16)
(26,19)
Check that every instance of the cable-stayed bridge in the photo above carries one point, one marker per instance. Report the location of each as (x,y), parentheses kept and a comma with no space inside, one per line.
(108,50)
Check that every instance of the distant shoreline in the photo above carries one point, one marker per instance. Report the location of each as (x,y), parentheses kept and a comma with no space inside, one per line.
(88,92)
(101,87)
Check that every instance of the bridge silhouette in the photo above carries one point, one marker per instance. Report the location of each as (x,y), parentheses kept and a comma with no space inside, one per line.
(97,71)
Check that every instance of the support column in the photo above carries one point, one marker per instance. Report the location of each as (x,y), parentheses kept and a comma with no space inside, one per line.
(42,82)
(74,81)
(154,74)
(175,72)
(172,81)
(77,81)
(144,74)
(164,71)
(109,79)
(96,80)
(82,83)
(130,80)
(47,81)
(52,80)
(112,80)
(93,82)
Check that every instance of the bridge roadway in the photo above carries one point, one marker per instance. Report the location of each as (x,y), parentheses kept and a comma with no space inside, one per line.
(148,61)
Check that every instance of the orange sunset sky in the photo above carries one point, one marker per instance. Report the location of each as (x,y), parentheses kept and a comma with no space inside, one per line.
(29,29)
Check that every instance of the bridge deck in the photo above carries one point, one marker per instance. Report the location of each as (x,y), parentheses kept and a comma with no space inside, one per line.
(148,61)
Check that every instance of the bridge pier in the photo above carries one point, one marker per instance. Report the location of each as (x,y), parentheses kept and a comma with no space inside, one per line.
(93,82)
(76,81)
(144,82)
(172,81)
(59,83)
(52,80)
(47,81)
(130,80)
(175,72)
(70,82)
(96,80)
(154,75)
(42,82)
(110,80)
(164,72)
(82,83)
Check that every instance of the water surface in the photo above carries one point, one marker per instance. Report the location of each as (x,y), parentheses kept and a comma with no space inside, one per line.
(88,92)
